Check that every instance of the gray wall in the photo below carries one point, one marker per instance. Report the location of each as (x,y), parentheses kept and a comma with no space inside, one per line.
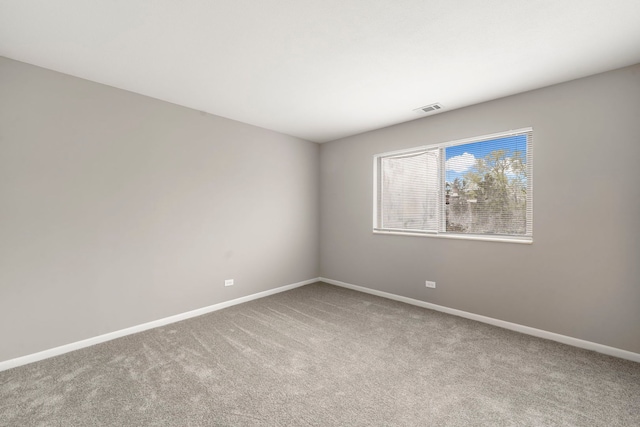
(580,277)
(117,209)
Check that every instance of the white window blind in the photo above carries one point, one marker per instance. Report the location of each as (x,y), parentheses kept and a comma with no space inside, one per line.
(409,186)
(475,187)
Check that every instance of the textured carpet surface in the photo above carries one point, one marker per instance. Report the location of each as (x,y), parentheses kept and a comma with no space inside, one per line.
(324,356)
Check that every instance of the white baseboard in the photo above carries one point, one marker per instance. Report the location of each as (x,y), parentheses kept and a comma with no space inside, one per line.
(19,361)
(611,351)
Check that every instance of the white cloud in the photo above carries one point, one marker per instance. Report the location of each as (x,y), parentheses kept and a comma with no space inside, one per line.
(461,163)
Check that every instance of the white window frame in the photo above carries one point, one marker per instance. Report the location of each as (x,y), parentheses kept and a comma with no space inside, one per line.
(526,239)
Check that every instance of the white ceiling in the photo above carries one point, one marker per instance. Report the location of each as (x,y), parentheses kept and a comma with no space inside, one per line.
(322,70)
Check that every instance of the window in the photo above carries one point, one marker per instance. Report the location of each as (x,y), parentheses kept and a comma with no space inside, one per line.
(477,188)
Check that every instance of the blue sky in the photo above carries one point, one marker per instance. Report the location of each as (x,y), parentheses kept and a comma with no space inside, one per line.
(461,158)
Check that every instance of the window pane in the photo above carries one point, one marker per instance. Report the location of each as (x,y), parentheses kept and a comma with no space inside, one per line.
(486,186)
(410,191)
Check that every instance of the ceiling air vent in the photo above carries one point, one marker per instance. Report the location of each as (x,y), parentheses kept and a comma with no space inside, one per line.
(429,108)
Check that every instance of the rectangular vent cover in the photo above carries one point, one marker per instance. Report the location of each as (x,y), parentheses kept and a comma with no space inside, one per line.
(429,108)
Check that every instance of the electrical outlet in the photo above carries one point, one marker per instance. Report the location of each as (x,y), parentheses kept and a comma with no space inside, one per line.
(228,282)
(429,284)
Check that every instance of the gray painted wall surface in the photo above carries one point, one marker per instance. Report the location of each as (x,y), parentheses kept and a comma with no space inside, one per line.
(580,277)
(117,209)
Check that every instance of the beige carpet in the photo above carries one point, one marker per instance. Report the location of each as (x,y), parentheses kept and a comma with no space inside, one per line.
(324,356)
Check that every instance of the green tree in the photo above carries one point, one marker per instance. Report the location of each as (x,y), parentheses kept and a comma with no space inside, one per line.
(497,183)
(458,213)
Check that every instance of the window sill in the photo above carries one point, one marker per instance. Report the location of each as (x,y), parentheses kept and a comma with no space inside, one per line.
(484,238)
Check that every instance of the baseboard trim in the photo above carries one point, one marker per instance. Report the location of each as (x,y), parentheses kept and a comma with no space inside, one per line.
(576,342)
(56,351)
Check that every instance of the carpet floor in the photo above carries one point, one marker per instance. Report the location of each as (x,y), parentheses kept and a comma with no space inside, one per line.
(321,355)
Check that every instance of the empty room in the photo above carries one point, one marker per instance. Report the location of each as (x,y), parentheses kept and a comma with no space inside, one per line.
(336,213)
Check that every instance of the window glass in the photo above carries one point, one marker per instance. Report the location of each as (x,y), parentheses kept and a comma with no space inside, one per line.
(475,187)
